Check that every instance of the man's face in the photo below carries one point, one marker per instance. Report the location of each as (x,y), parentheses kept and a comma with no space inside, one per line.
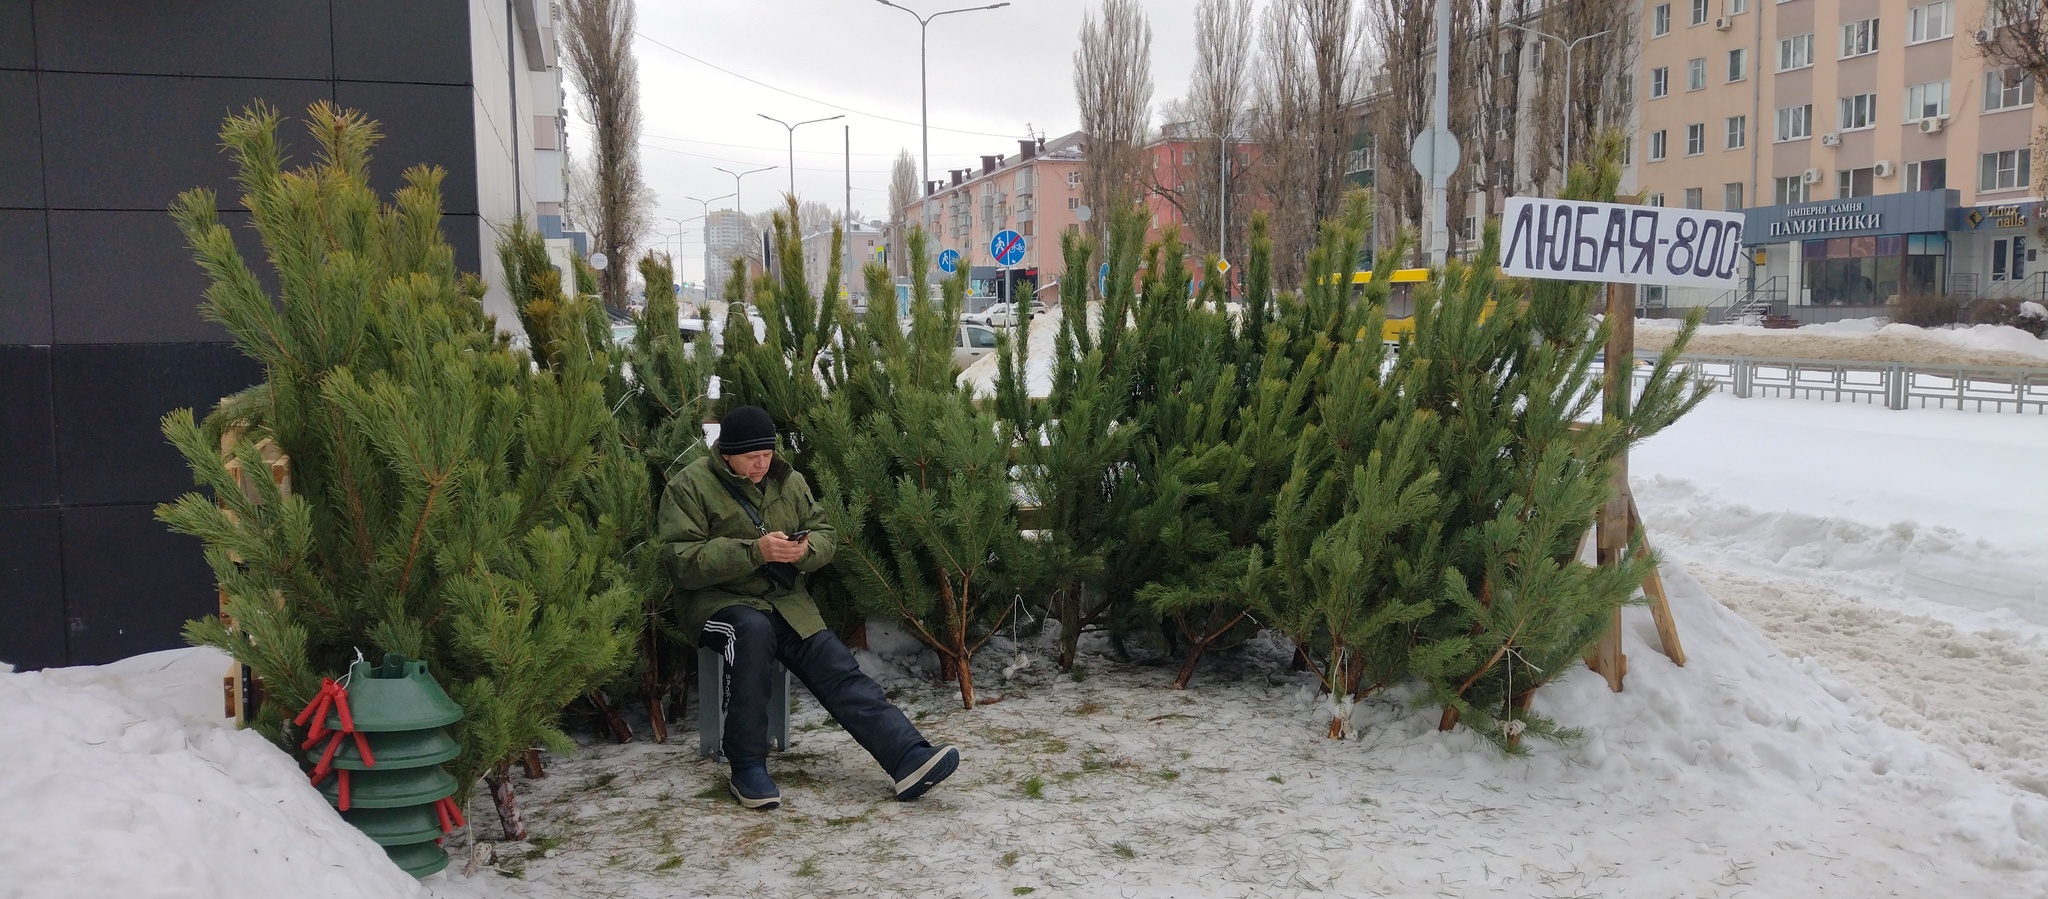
(752,466)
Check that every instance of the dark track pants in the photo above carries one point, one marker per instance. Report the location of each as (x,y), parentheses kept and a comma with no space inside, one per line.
(750,639)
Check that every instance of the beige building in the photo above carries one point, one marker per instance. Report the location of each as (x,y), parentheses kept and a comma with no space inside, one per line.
(1036,193)
(1874,149)
(863,244)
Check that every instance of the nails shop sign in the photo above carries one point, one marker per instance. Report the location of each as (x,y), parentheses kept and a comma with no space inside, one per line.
(1575,240)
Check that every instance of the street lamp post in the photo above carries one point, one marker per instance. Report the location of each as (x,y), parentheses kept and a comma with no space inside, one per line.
(736,176)
(923,90)
(792,141)
(1569,46)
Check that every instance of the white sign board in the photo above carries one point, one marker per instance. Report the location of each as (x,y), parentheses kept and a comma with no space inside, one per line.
(1575,240)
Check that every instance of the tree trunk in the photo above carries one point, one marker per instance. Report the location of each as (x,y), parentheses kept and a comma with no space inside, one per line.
(1449,721)
(966,674)
(620,730)
(530,760)
(506,799)
(650,688)
(1187,668)
(1070,627)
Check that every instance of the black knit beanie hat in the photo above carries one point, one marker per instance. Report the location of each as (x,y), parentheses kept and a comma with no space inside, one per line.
(744,430)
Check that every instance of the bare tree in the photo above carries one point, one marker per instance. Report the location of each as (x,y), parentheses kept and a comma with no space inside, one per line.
(1602,70)
(1113,87)
(903,191)
(2019,43)
(1307,81)
(1211,119)
(599,37)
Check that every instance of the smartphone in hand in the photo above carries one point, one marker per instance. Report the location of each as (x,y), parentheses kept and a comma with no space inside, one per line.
(799,535)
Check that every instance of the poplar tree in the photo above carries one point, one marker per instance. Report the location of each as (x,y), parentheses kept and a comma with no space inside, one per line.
(447,498)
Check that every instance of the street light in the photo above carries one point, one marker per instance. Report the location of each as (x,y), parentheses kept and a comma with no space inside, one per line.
(707,232)
(923,94)
(736,176)
(1569,46)
(792,141)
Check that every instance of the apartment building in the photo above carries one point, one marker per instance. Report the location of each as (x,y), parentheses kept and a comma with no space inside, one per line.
(1184,177)
(863,244)
(1874,149)
(727,233)
(1036,192)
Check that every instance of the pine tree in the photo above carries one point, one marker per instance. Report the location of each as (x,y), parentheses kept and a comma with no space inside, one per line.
(917,480)
(780,372)
(441,504)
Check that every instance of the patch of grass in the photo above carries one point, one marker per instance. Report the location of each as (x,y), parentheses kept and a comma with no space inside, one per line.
(715,791)
(541,845)
(515,869)
(1055,745)
(1009,859)
(848,820)
(669,864)
(1022,891)
(1079,674)
(1087,706)
(1034,787)
(668,843)
(809,868)
(1276,778)
(1169,774)
(1123,850)
(602,781)
(750,840)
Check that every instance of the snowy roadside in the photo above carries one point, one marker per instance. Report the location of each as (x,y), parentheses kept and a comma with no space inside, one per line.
(1860,339)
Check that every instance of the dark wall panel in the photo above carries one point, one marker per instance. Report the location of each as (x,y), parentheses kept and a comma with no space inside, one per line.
(28,445)
(21,140)
(24,277)
(238,38)
(135,142)
(130,584)
(31,589)
(465,237)
(433,39)
(17,35)
(110,402)
(421,123)
(153,294)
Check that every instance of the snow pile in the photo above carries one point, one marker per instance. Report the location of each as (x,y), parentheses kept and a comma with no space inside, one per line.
(1045,329)
(123,780)
(1865,339)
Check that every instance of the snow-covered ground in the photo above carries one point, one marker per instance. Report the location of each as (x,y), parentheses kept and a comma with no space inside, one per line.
(1862,595)
(1859,339)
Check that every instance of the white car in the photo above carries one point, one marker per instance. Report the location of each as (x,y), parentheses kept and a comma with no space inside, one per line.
(973,342)
(999,315)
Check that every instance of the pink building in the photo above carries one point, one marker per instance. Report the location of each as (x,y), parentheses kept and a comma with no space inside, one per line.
(1036,193)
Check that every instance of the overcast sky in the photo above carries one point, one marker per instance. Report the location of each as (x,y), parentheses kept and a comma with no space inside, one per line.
(993,73)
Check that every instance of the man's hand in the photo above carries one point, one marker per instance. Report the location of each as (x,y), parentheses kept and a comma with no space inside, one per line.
(777,547)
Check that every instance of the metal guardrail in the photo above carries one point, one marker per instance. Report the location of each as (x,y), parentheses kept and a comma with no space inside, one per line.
(1894,385)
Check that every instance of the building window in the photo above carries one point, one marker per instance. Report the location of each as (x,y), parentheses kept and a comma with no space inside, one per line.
(1859,38)
(1660,81)
(1737,6)
(1795,122)
(1795,52)
(1731,196)
(2001,92)
(1657,146)
(1738,64)
(1654,199)
(1789,189)
(1925,101)
(1927,174)
(1852,183)
(1073,202)
(1628,151)
(1932,22)
(1859,111)
(1696,139)
(1695,198)
(1699,12)
(1696,74)
(1738,132)
(1073,180)
(2014,248)
(1996,15)
(1660,20)
(2005,170)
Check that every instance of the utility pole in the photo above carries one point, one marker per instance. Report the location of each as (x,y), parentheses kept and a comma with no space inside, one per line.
(792,142)
(923,81)
(1439,111)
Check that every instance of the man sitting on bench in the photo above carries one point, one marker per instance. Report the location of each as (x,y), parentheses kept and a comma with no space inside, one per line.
(740,532)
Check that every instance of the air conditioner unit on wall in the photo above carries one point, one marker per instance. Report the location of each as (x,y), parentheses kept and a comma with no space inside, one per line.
(1986,35)
(1933,124)
(1812,176)
(1724,23)
(1883,169)
(1831,139)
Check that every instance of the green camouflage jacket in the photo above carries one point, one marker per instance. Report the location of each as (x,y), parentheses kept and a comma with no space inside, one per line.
(708,542)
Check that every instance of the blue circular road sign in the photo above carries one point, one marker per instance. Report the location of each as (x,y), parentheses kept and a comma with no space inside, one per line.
(949,261)
(1007,247)
(1102,279)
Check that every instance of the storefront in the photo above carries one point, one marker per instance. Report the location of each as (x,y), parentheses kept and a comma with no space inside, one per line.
(1864,251)
(1994,247)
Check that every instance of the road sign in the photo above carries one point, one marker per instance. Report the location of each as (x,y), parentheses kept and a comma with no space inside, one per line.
(1007,247)
(1435,155)
(949,261)
(1102,280)
(1581,241)
(1222,266)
